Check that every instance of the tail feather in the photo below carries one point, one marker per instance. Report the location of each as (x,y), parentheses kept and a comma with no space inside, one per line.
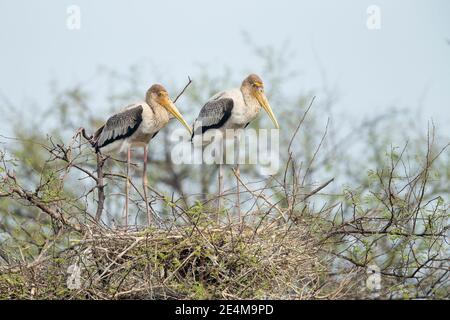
(96,138)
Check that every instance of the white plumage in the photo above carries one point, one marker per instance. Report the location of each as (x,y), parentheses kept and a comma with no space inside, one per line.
(232,109)
(135,126)
(152,120)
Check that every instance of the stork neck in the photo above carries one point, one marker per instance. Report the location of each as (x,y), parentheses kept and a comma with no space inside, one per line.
(249,99)
(161,113)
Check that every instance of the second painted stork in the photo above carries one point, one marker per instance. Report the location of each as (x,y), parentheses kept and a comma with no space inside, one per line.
(135,126)
(232,109)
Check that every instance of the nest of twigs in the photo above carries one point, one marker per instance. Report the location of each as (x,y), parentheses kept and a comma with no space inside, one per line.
(269,260)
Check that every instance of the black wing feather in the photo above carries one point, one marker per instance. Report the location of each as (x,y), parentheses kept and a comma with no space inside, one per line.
(154,135)
(119,126)
(213,115)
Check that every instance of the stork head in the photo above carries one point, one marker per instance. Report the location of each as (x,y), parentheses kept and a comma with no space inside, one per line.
(255,86)
(157,94)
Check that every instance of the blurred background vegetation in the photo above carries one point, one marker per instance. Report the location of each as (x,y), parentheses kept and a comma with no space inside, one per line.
(388,205)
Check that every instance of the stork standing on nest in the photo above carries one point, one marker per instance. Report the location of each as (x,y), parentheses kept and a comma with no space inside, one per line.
(231,109)
(135,126)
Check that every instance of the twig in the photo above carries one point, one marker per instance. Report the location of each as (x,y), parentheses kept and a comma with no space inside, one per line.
(100,187)
(318,189)
(184,89)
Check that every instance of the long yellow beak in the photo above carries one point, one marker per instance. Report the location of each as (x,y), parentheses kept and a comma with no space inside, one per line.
(173,110)
(262,99)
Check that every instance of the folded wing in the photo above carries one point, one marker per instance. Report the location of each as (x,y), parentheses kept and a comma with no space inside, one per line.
(119,126)
(213,115)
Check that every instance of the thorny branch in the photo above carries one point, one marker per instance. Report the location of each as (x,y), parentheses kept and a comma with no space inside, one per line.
(398,225)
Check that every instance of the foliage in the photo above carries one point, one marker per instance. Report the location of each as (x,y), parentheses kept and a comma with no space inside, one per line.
(348,199)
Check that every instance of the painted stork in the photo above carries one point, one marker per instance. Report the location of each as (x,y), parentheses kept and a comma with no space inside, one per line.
(231,109)
(135,126)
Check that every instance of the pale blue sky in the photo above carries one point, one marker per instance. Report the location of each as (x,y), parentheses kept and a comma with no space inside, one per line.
(405,62)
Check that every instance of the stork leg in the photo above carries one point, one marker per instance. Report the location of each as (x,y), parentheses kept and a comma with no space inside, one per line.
(238,193)
(145,185)
(127,187)
(219,199)
(238,176)
(220,178)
